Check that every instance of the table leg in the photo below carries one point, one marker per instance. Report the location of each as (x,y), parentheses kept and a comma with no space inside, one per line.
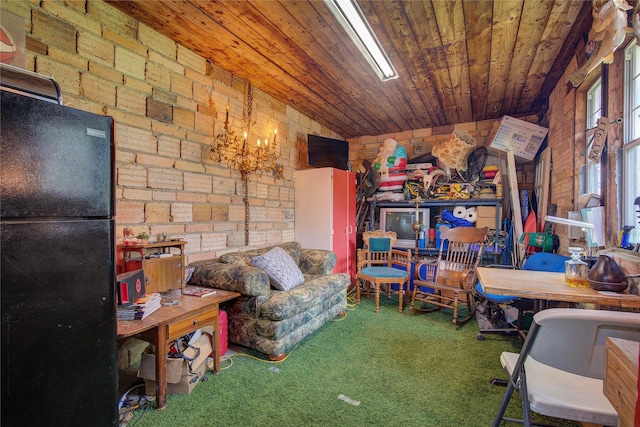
(539,305)
(161,366)
(216,343)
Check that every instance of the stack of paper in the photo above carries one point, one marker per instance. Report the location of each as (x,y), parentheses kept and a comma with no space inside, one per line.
(141,308)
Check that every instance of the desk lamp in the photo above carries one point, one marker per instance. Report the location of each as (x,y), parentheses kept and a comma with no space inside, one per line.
(585,226)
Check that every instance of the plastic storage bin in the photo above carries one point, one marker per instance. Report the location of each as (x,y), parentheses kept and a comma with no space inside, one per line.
(223,322)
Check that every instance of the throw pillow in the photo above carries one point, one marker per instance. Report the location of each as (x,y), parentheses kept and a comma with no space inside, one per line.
(280,267)
(453,152)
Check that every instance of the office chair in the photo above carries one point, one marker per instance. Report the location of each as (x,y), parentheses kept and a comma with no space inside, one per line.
(491,316)
(560,369)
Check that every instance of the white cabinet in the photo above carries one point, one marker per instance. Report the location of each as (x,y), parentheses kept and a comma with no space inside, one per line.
(325,214)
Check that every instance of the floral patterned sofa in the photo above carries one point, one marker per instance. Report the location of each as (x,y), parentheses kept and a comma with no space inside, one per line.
(270,320)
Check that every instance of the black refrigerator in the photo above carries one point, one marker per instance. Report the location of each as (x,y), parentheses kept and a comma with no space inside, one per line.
(58,302)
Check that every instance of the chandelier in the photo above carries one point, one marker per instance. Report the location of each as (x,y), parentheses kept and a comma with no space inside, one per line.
(237,152)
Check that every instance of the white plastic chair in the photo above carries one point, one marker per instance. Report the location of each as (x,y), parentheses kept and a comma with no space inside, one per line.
(560,369)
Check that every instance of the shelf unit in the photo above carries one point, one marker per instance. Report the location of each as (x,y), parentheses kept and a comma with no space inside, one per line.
(449,203)
(162,273)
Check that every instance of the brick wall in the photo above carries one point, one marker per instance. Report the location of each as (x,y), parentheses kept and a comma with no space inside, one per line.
(566,157)
(168,103)
(421,141)
(418,141)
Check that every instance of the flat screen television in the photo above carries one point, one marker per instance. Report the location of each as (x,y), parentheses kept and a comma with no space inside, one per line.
(401,221)
(327,152)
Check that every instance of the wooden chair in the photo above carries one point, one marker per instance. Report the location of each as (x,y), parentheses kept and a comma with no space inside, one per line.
(380,264)
(452,286)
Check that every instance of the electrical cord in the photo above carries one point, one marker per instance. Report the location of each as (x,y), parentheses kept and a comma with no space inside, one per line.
(351,299)
(230,359)
(145,408)
(169,299)
(125,396)
(127,405)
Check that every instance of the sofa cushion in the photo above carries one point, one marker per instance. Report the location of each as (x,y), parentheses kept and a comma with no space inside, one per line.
(280,267)
(245,257)
(284,305)
(277,329)
(317,261)
(249,281)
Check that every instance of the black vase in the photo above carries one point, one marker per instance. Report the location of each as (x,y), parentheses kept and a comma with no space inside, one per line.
(606,275)
(606,270)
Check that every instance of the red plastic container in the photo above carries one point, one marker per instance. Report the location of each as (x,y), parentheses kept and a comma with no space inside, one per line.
(224,324)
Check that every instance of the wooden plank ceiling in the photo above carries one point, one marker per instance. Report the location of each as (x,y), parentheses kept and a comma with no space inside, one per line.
(459,61)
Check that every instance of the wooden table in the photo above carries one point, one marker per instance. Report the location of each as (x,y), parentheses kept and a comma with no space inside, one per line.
(162,327)
(545,286)
(621,378)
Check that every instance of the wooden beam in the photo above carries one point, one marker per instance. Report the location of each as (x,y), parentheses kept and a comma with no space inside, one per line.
(519,248)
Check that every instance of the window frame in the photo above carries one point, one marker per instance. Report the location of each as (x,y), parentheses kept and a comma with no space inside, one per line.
(593,112)
(630,141)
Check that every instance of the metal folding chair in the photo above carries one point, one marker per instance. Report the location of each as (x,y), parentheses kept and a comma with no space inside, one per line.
(559,371)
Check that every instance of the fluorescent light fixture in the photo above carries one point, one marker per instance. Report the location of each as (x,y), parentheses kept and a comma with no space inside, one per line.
(350,16)
(566,221)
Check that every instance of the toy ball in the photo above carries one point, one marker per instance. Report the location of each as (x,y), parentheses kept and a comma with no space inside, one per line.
(7,46)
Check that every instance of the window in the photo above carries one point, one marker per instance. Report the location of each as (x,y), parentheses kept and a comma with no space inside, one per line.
(594,112)
(631,142)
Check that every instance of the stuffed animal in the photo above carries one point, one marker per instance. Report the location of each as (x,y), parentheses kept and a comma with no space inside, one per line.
(608,31)
(391,164)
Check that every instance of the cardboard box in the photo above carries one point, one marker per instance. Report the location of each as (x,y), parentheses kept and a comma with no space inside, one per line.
(186,383)
(487,216)
(487,212)
(180,379)
(486,222)
(522,138)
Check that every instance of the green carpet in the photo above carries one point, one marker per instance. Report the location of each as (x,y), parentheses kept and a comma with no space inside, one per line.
(404,369)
